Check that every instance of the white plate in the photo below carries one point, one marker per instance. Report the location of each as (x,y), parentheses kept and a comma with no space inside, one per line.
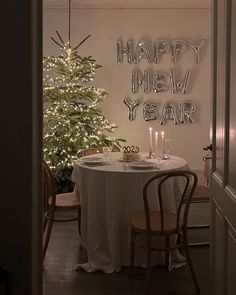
(122,160)
(142,165)
(93,160)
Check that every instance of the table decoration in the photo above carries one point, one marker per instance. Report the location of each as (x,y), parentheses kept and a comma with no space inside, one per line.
(166,150)
(107,150)
(131,153)
(150,144)
(142,165)
(157,151)
(162,143)
(93,160)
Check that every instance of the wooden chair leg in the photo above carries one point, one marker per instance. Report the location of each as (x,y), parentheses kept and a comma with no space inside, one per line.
(148,271)
(79,220)
(45,221)
(132,252)
(189,260)
(167,252)
(48,234)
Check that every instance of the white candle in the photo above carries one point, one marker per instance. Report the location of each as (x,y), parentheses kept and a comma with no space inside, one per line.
(162,141)
(150,135)
(156,140)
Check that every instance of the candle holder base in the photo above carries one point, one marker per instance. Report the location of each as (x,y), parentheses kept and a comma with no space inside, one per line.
(165,157)
(150,154)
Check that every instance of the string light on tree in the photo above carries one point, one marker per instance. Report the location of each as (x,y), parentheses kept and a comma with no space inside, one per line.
(73,120)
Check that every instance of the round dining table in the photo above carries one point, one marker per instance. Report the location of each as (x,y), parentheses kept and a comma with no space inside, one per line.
(110,193)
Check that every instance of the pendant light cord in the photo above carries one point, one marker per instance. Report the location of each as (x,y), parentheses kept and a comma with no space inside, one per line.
(69,21)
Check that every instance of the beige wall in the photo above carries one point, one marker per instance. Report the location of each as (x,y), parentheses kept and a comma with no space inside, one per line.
(106,26)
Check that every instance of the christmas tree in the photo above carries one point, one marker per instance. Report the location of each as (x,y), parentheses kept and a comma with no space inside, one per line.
(73,120)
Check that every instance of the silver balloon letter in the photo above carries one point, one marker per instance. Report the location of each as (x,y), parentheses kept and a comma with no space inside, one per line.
(139,80)
(150,111)
(160,47)
(168,113)
(196,49)
(160,82)
(178,46)
(131,107)
(187,108)
(142,51)
(122,51)
(186,81)
(177,86)
(172,81)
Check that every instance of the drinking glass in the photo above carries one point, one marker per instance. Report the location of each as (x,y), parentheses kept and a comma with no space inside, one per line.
(166,151)
(107,153)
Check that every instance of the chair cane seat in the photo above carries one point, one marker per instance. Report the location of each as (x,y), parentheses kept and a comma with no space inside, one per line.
(52,202)
(138,222)
(66,201)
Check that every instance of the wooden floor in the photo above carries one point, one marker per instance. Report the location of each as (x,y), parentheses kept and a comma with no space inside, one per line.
(61,279)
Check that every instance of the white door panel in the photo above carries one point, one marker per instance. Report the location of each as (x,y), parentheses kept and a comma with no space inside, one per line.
(219,229)
(232,122)
(223,179)
(231,269)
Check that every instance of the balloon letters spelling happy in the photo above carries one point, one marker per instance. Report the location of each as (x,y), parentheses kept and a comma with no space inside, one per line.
(142,51)
(178,47)
(196,49)
(152,54)
(160,47)
(124,51)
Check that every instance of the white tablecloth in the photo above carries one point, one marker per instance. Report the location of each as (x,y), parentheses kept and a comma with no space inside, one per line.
(109,197)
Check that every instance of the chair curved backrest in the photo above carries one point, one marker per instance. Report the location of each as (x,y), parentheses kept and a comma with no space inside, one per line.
(49,189)
(188,184)
(91,151)
(98,150)
(49,195)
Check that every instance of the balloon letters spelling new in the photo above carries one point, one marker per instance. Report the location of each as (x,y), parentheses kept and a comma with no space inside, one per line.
(179,86)
(159,81)
(140,80)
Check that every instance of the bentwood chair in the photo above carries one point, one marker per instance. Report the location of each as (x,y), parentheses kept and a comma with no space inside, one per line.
(202,195)
(52,203)
(91,151)
(162,222)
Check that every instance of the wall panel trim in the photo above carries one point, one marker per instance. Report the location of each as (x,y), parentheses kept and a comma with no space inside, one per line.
(110,9)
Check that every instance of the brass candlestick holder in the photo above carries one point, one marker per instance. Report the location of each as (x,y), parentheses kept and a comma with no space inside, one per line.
(150,153)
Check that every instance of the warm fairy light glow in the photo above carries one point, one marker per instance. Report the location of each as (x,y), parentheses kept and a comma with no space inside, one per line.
(73,120)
